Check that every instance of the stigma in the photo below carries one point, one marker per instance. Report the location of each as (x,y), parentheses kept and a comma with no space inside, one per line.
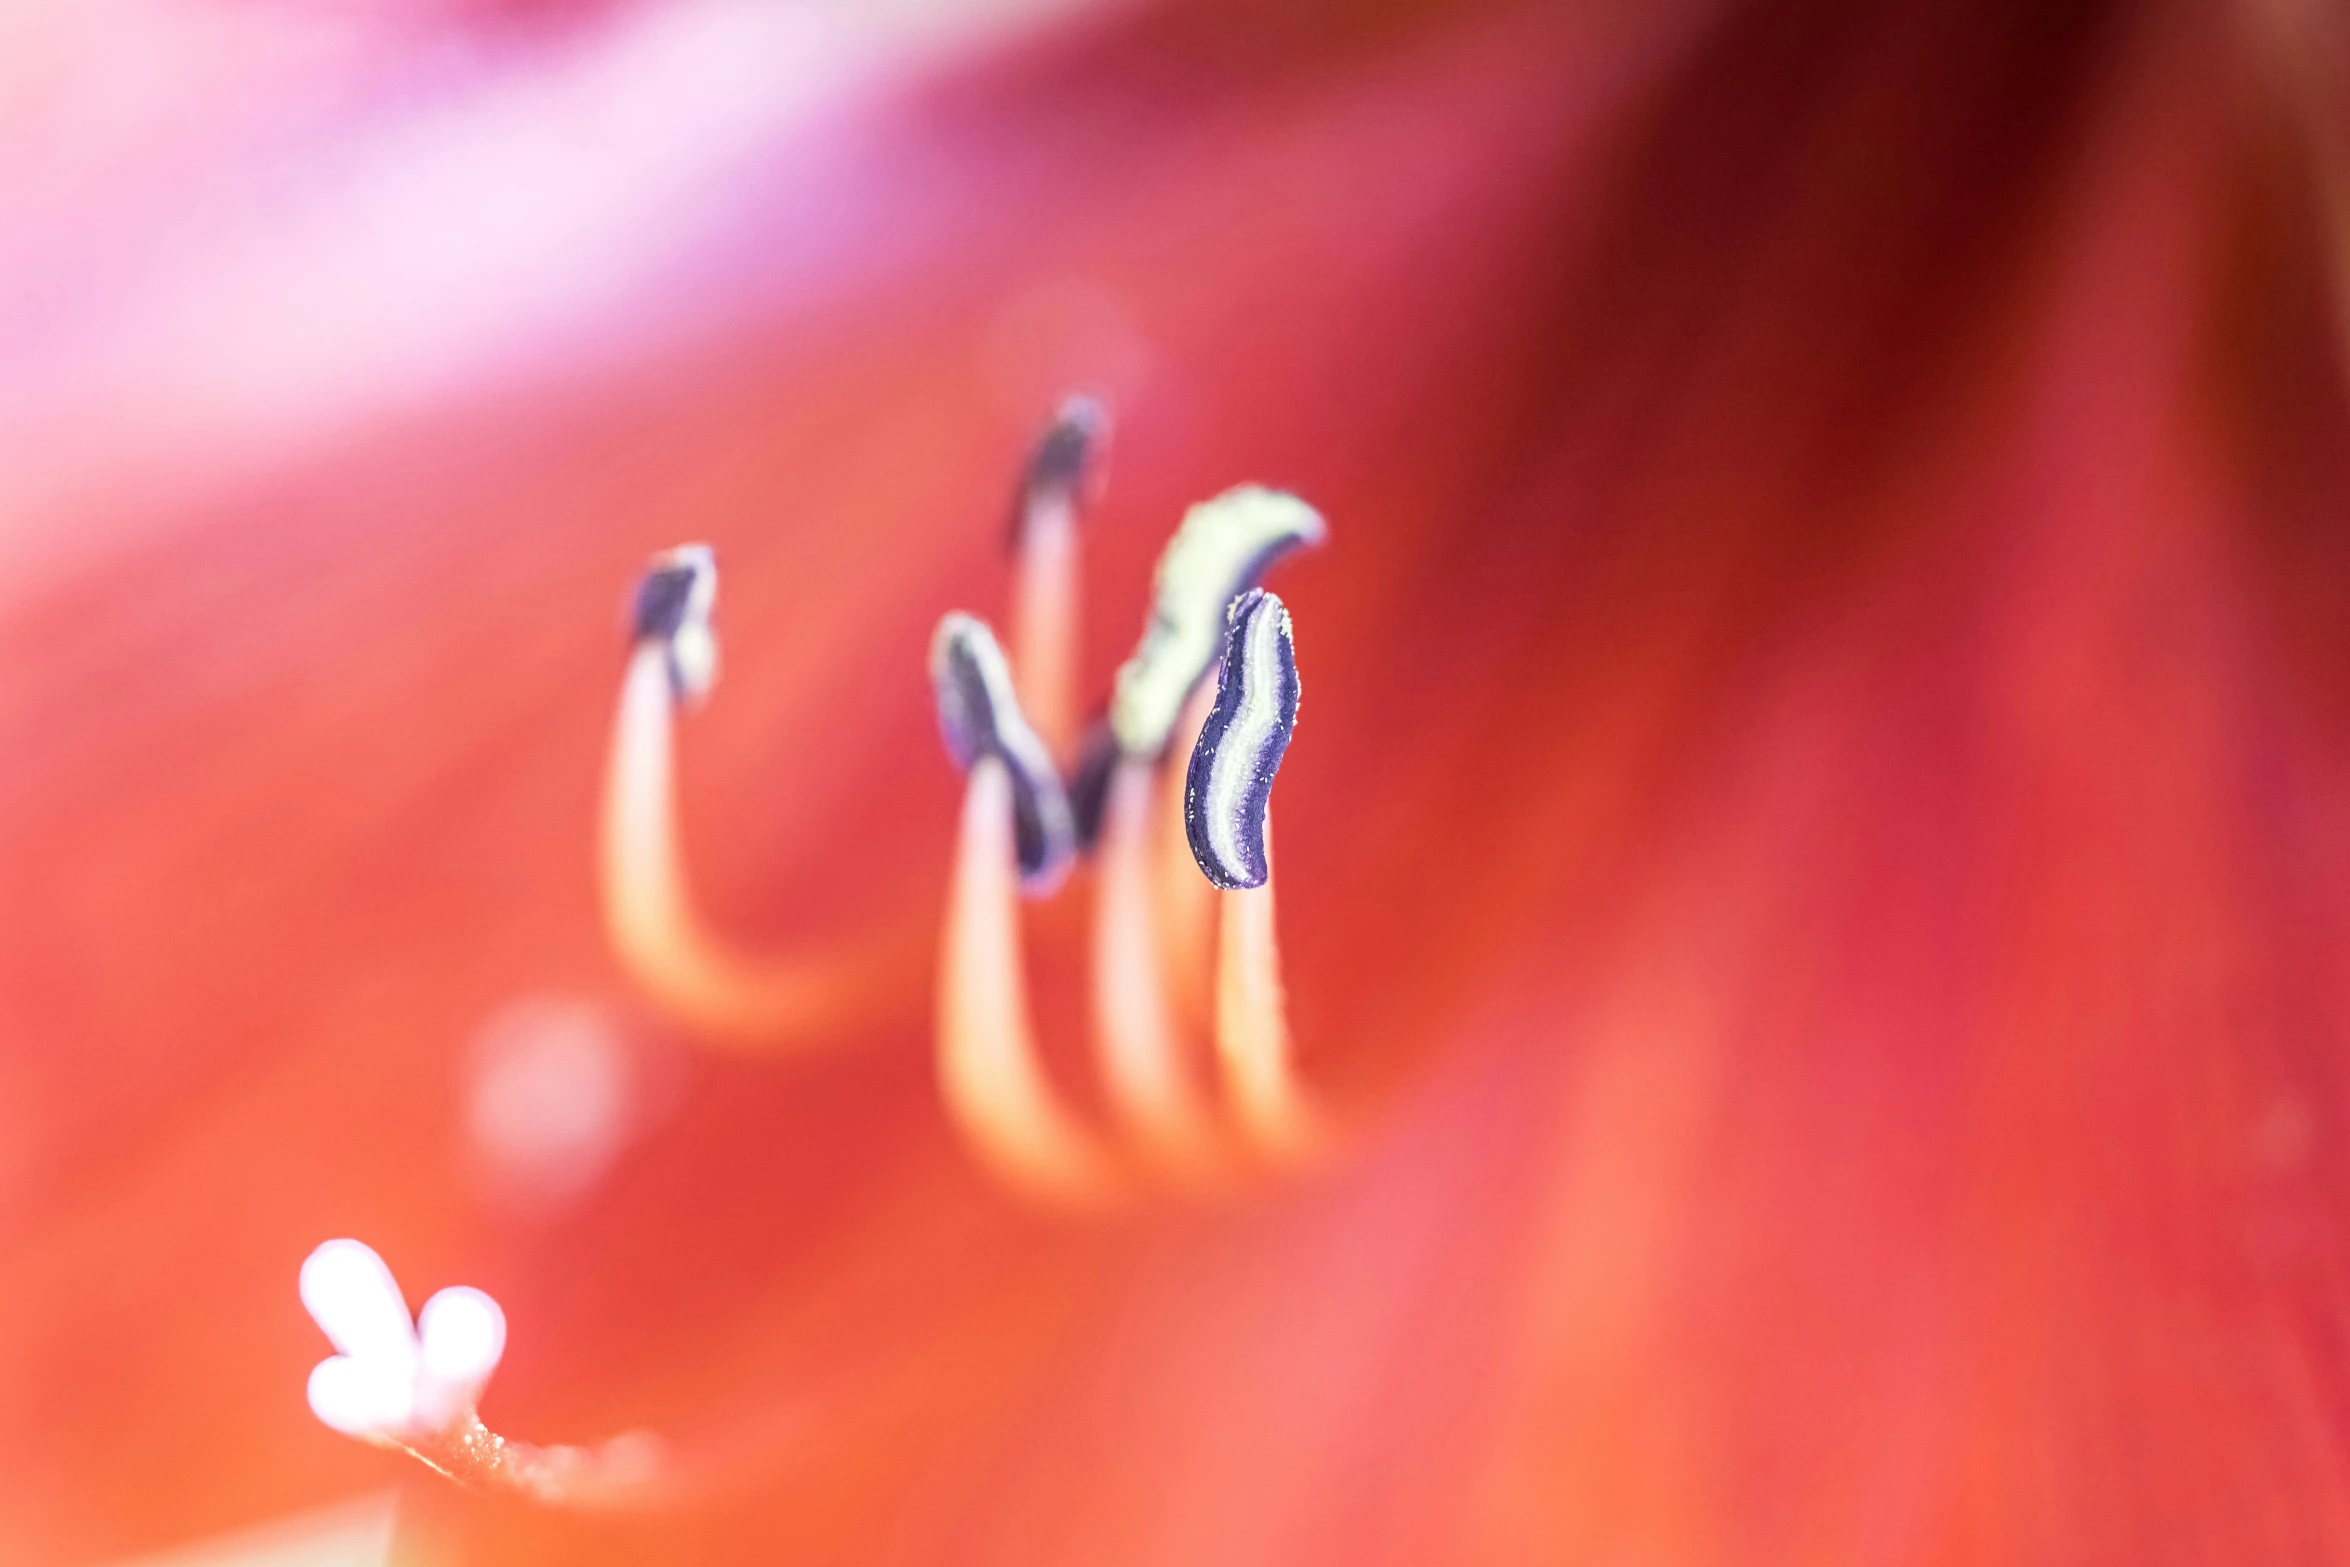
(413,1386)
(394,1379)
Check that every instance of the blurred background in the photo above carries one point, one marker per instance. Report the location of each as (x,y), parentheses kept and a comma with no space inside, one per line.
(1816,861)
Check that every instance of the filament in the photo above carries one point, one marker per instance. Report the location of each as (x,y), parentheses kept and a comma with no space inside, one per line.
(990,1073)
(1186,900)
(1137,1033)
(1252,1029)
(1045,616)
(649,910)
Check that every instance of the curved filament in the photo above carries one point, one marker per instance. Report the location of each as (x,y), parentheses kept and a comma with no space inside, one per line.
(1252,1030)
(649,911)
(1138,1037)
(1045,617)
(989,1068)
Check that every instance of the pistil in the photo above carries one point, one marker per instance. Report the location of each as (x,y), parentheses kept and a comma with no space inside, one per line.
(413,1387)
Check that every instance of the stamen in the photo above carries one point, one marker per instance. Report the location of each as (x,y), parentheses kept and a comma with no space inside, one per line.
(650,914)
(1223,547)
(1155,936)
(1066,466)
(990,1071)
(979,716)
(414,1387)
(1136,1030)
(1230,782)
(1227,795)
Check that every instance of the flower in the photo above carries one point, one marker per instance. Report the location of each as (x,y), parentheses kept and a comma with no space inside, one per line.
(1810,873)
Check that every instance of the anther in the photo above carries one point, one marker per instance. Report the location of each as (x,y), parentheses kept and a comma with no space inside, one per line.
(1066,465)
(1230,781)
(1223,547)
(979,717)
(672,610)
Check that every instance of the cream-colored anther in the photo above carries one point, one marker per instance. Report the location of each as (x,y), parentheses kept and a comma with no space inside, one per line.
(1222,546)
